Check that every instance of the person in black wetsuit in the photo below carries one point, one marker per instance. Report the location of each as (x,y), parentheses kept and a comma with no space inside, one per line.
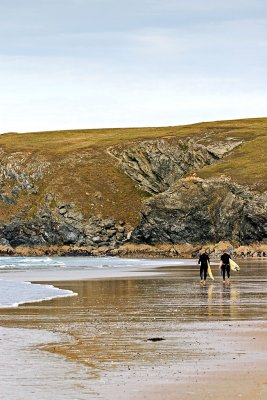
(225,266)
(203,261)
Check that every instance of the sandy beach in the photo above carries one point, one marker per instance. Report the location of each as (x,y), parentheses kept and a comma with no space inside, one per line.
(97,345)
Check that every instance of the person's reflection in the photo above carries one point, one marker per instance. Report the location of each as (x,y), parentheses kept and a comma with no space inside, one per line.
(229,302)
(220,301)
(206,300)
(210,301)
(234,302)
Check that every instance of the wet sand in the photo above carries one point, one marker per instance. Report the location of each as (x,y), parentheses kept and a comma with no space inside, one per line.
(239,374)
(215,338)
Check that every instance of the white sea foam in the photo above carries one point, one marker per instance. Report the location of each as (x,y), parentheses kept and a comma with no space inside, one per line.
(29,262)
(12,294)
(116,262)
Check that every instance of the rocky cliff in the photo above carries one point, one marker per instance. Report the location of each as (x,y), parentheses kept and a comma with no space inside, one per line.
(195,210)
(99,189)
(156,164)
(62,224)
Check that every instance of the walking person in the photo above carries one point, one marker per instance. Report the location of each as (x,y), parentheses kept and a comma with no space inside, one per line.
(225,266)
(203,261)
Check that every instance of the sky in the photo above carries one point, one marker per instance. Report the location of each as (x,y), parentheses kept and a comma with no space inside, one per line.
(74,64)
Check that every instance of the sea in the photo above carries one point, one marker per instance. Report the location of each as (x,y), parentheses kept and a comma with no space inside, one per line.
(15,292)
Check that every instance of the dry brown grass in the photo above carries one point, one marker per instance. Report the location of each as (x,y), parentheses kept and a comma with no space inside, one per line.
(30,251)
(251,249)
(165,249)
(7,250)
(140,250)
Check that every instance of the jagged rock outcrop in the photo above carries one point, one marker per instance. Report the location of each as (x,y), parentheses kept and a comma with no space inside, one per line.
(156,164)
(63,225)
(20,172)
(194,210)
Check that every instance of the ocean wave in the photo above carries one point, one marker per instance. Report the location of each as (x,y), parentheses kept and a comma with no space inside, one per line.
(84,262)
(14,294)
(29,262)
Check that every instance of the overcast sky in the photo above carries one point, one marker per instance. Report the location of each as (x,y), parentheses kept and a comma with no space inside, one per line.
(67,64)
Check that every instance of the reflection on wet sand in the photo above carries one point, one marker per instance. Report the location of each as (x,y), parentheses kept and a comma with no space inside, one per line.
(109,322)
(227,302)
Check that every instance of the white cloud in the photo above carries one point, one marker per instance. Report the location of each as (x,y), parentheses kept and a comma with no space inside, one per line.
(94,63)
(66,95)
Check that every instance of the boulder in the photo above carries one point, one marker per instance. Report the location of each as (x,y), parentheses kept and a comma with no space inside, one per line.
(4,242)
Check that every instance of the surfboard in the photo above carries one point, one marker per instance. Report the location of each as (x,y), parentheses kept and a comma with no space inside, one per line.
(233,265)
(210,272)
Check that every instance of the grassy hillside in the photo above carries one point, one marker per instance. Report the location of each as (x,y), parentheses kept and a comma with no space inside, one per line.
(82,171)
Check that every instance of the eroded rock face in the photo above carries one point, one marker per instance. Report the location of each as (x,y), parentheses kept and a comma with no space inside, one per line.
(20,172)
(200,211)
(53,226)
(156,164)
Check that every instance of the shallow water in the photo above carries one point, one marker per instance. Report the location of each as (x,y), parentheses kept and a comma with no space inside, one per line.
(110,321)
(15,272)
